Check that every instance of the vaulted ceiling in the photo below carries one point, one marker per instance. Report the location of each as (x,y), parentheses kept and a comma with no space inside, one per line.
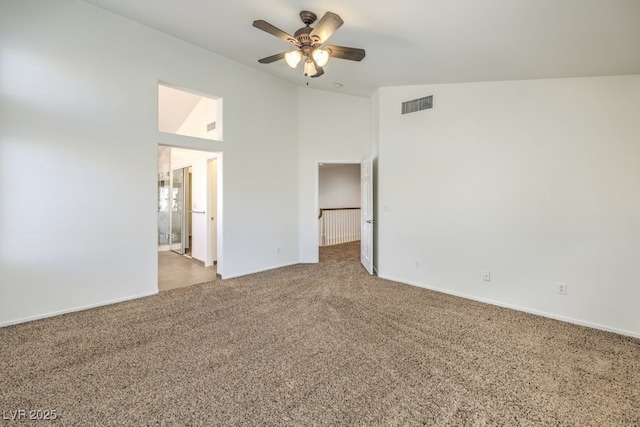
(411,42)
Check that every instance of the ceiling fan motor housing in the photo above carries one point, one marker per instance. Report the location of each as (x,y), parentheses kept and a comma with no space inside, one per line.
(308,17)
(306,43)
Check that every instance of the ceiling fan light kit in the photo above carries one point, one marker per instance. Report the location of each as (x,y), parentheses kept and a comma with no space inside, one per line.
(310,69)
(293,58)
(321,56)
(309,42)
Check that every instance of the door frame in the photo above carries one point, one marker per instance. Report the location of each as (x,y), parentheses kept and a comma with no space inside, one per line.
(316,205)
(219,211)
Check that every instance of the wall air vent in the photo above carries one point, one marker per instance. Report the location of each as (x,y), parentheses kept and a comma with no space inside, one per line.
(211,126)
(417,105)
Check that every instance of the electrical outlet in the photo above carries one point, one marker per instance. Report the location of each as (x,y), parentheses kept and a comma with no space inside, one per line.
(562,288)
(417,264)
(486,276)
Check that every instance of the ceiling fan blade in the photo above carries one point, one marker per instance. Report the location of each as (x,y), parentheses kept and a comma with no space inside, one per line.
(265,26)
(350,53)
(272,58)
(328,25)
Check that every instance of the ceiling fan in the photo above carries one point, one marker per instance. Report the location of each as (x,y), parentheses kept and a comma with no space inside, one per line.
(309,42)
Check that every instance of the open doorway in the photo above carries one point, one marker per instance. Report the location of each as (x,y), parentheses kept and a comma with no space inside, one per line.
(339,214)
(345,211)
(188,250)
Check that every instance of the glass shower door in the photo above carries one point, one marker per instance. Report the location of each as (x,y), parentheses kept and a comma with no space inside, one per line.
(177,212)
(163,211)
(164,193)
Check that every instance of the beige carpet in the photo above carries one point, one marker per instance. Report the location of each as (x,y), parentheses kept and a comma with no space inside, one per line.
(321,344)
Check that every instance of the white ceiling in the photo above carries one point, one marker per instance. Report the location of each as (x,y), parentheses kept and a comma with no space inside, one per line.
(410,42)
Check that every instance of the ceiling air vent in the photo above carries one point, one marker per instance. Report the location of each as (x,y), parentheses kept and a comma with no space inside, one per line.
(417,105)
(211,126)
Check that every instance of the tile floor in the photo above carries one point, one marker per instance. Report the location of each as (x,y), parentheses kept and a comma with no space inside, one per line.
(176,271)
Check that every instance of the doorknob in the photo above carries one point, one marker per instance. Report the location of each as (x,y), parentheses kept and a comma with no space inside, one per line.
(370,221)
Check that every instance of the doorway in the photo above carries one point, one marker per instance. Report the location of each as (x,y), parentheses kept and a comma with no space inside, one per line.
(338,203)
(188,208)
(345,215)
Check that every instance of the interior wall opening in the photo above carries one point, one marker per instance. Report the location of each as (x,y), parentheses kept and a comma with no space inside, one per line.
(188,216)
(189,113)
(339,203)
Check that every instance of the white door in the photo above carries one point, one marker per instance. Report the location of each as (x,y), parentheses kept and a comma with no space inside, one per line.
(212,211)
(366,219)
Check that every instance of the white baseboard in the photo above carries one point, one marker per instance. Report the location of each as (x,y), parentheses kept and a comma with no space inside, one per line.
(519,308)
(74,309)
(246,273)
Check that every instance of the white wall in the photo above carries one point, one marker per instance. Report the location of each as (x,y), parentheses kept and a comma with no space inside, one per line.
(339,186)
(335,128)
(534,181)
(78,157)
